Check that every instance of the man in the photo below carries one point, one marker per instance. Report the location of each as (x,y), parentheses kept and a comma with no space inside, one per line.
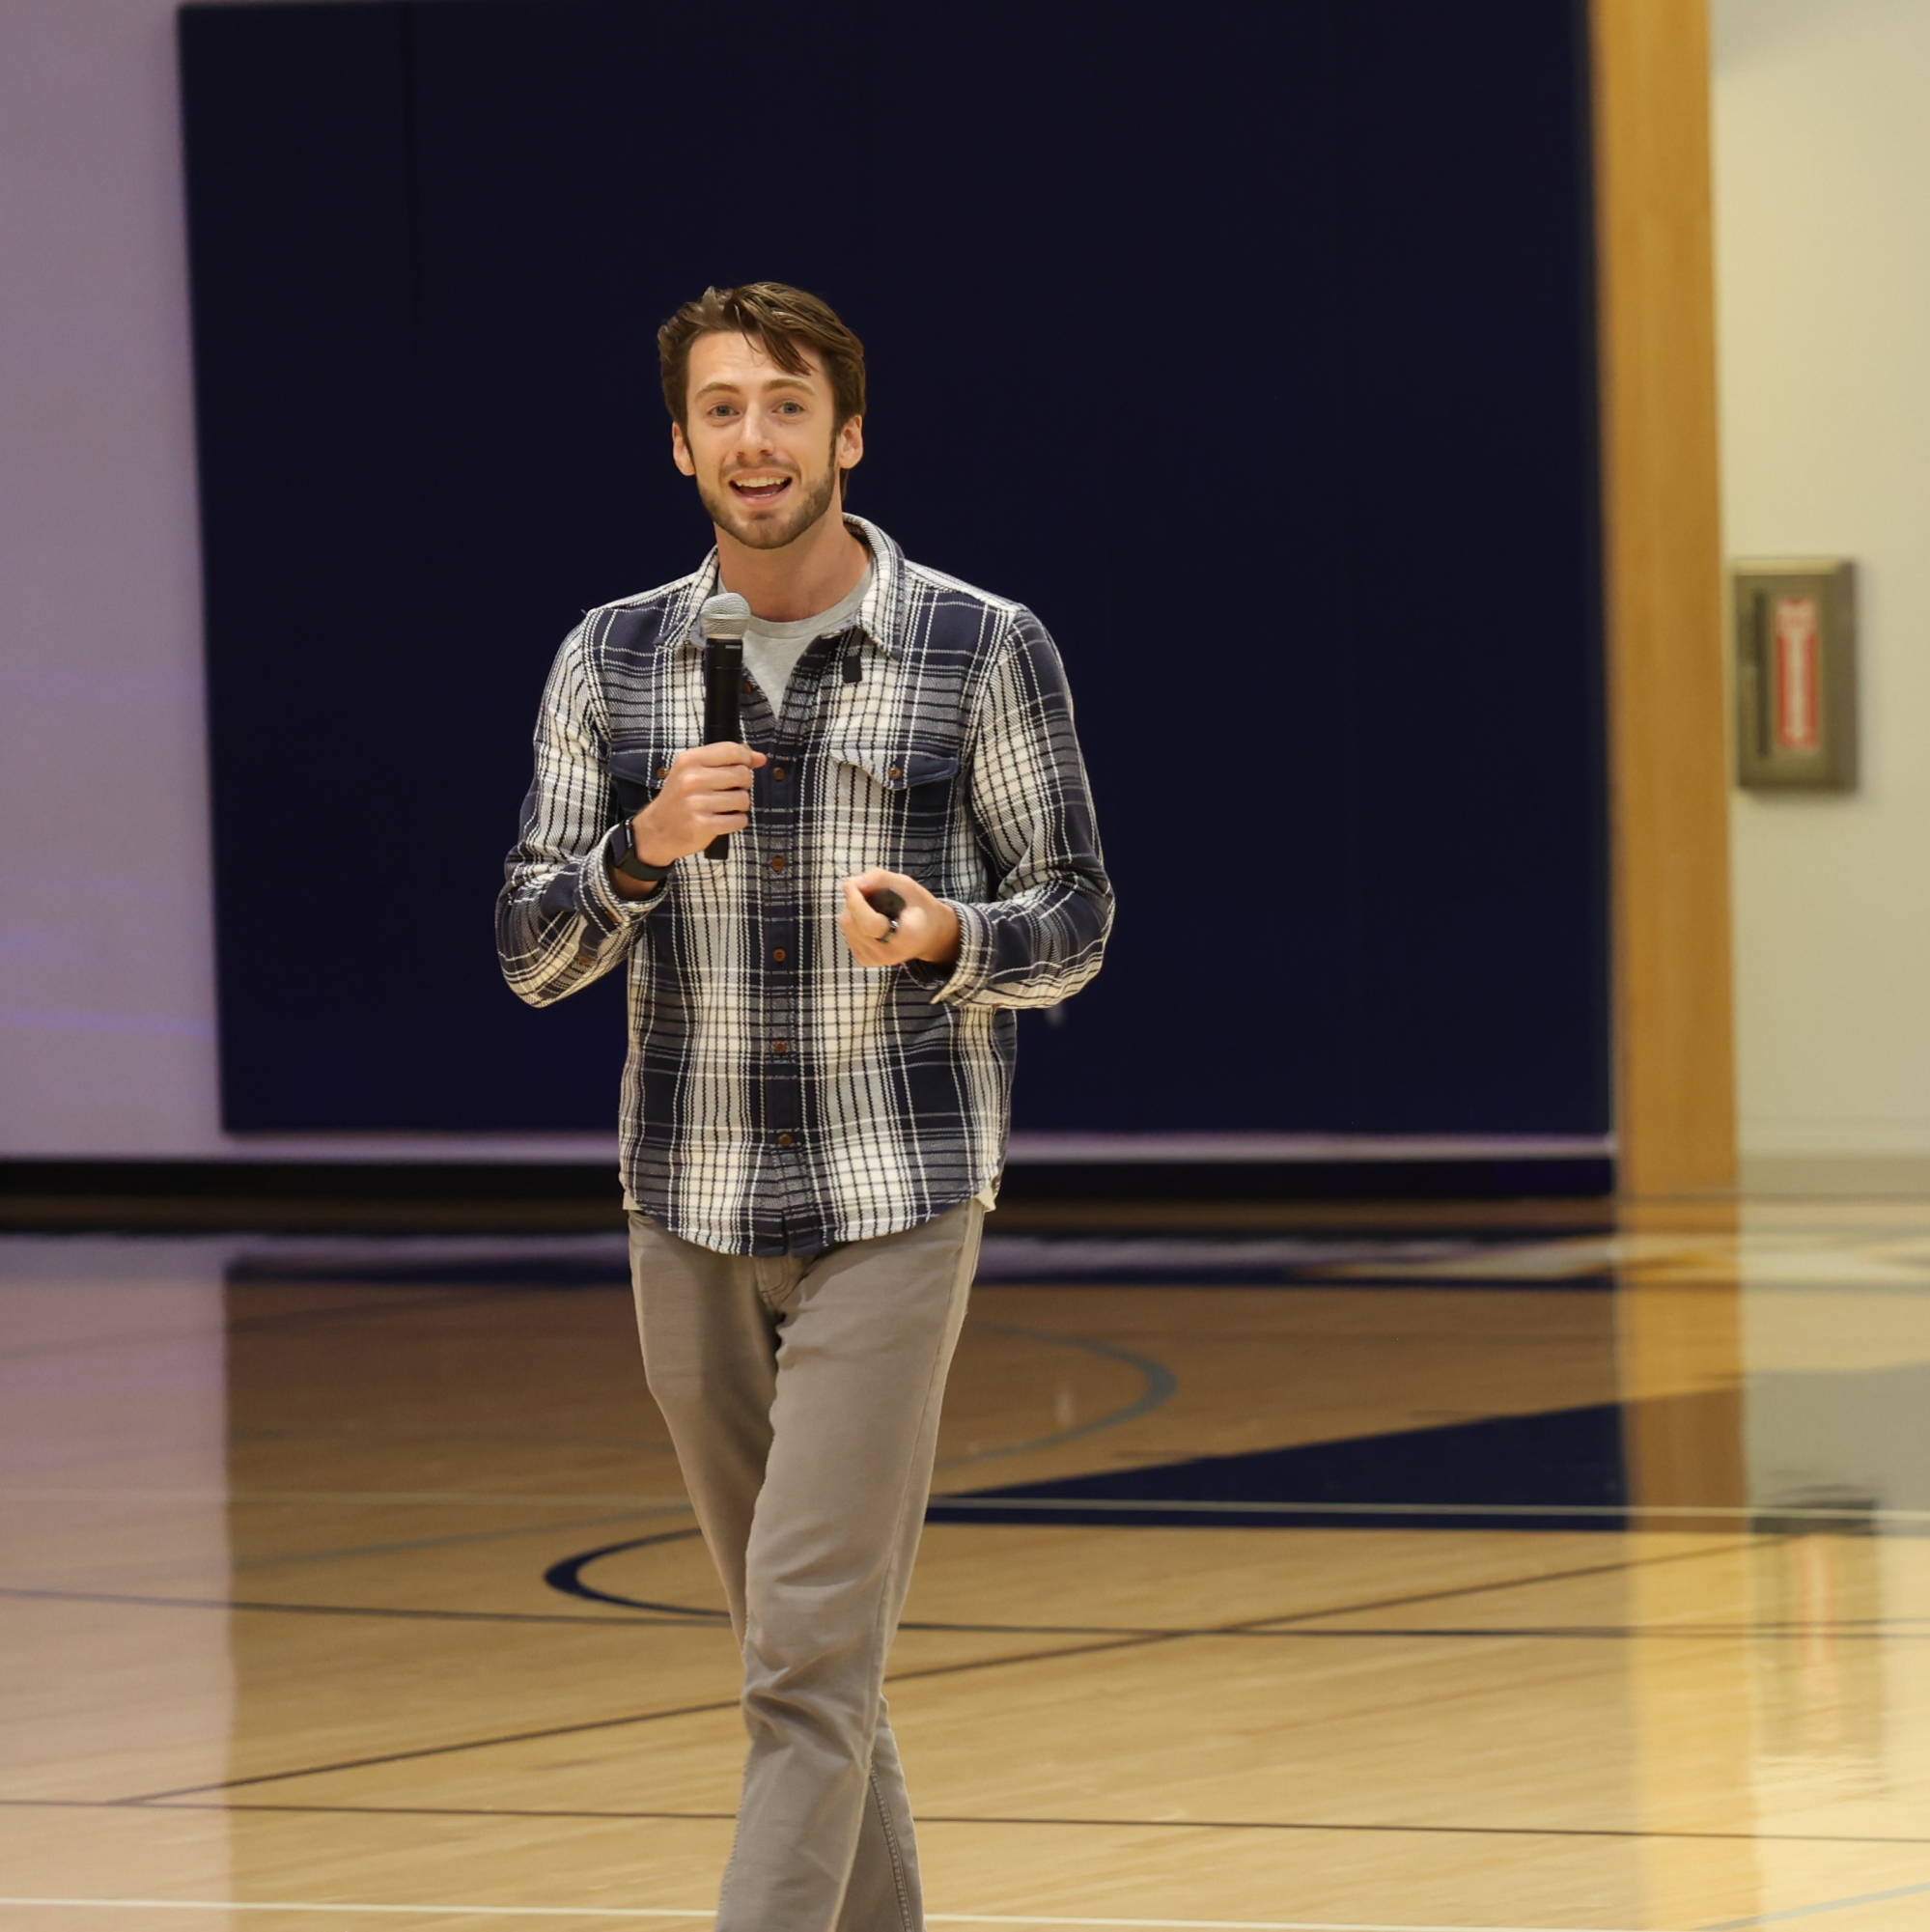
(815,1105)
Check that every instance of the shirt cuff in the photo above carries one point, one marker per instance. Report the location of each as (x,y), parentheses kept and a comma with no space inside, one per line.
(969,972)
(599,902)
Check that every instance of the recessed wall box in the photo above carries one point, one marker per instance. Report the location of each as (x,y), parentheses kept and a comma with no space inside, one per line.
(1796,673)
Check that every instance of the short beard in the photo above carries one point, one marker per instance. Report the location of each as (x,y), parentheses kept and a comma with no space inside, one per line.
(725,511)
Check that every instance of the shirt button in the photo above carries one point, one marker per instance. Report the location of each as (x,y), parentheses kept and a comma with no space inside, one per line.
(787,1140)
(897,772)
(780,1046)
(777,862)
(779,954)
(663,772)
(778,771)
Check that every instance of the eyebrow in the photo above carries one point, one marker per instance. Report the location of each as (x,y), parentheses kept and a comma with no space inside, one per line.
(775,382)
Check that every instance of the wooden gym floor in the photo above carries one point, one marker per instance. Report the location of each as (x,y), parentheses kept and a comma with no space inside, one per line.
(1536,1575)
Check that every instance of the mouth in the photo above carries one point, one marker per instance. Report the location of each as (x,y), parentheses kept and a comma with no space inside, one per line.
(760,485)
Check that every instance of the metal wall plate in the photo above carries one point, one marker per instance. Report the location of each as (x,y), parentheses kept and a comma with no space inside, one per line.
(1796,673)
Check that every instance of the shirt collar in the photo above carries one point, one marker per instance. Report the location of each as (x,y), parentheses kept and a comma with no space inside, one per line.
(878,616)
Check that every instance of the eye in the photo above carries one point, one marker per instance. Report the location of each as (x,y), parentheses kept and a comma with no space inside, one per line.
(720,409)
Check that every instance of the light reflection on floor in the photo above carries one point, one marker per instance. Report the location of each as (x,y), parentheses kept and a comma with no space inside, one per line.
(358,1573)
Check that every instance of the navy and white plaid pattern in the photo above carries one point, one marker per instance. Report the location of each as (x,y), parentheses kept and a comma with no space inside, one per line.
(779,1096)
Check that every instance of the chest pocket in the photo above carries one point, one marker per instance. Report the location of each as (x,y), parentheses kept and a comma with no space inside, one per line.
(900,802)
(637,774)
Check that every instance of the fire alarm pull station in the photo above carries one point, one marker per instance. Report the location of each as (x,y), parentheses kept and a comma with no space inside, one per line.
(1796,674)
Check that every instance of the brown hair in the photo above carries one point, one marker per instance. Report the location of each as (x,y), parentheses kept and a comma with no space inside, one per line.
(785,320)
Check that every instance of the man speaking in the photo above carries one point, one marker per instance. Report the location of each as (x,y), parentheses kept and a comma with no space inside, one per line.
(820,1037)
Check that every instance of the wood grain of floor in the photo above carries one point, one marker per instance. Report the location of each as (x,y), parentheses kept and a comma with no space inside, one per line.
(285,1647)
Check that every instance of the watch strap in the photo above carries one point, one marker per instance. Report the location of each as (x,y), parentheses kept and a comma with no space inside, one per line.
(624,856)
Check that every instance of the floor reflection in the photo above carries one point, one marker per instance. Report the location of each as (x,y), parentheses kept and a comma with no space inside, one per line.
(1819,1695)
(113,1601)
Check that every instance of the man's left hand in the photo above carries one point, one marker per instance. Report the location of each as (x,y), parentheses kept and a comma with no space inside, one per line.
(928,929)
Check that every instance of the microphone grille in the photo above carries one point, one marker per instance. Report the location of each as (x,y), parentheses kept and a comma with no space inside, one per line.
(726,616)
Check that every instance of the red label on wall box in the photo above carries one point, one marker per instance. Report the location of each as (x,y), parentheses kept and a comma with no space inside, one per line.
(1797,661)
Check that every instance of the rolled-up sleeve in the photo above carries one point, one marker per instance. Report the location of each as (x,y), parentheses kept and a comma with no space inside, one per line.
(1043,936)
(560,923)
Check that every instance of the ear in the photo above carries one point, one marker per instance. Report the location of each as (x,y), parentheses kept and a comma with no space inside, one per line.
(848,450)
(679,451)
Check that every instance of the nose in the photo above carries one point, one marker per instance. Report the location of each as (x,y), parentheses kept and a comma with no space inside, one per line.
(752,435)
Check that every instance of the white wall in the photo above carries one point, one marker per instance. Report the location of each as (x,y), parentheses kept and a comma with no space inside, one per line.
(1822,149)
(106,980)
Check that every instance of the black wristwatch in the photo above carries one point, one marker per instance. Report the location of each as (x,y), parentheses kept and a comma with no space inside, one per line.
(623,854)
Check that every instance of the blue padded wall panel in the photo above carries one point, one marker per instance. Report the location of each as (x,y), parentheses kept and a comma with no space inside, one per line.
(1250,343)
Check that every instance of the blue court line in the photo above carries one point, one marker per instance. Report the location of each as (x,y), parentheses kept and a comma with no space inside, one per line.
(1815,1911)
(1158,1385)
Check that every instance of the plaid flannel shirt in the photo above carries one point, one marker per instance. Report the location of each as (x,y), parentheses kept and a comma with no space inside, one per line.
(779,1097)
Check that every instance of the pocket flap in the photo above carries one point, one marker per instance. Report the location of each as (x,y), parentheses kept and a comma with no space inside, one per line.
(638,772)
(900,771)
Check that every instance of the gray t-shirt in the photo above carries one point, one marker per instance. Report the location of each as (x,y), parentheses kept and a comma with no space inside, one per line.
(771,651)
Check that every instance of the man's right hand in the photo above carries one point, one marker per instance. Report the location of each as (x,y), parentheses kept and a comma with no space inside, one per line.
(707,791)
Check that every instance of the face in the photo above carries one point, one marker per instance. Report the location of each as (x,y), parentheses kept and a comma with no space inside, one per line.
(761,441)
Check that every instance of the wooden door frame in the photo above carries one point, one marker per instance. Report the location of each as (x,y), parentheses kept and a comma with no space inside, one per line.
(1662,571)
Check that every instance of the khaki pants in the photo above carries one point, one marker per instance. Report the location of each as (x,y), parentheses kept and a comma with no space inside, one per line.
(803,1396)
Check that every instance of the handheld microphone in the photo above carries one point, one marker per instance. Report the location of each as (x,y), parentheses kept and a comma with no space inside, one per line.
(726,617)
